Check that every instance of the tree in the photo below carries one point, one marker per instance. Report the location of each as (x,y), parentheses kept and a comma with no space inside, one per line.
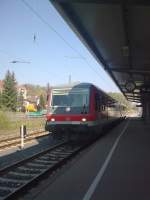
(9,94)
(42,102)
(121,99)
(1,104)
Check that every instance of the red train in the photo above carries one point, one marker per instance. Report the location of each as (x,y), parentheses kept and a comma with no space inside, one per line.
(82,108)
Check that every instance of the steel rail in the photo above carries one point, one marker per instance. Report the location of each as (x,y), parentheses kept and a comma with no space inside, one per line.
(8,192)
(15,141)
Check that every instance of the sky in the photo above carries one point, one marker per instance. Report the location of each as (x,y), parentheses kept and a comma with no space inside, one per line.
(42,47)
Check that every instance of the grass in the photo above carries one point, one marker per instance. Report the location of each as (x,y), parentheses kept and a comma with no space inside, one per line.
(10,123)
(4,121)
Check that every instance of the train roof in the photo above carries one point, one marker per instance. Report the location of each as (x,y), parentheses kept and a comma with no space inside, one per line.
(85,85)
(71,85)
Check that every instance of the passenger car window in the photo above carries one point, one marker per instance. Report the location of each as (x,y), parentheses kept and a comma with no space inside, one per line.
(97,102)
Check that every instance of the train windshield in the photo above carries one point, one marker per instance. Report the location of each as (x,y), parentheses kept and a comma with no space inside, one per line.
(73,101)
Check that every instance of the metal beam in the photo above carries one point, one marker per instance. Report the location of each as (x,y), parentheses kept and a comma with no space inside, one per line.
(128,96)
(134,101)
(125,16)
(124,87)
(129,2)
(134,98)
(134,93)
(129,70)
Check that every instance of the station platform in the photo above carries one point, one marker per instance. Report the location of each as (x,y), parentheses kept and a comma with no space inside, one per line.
(115,167)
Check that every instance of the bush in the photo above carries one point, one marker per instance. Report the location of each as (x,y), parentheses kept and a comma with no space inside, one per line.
(4,121)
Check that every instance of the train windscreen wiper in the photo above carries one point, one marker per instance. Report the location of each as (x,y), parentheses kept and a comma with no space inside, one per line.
(84,110)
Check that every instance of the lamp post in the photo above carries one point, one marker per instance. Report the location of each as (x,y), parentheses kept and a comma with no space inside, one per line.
(17,61)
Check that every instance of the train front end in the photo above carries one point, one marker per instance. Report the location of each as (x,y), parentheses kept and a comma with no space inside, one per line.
(69,110)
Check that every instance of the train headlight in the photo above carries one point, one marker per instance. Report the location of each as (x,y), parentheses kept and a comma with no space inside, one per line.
(84,119)
(52,119)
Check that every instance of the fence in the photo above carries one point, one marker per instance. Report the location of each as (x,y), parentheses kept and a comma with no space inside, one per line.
(10,125)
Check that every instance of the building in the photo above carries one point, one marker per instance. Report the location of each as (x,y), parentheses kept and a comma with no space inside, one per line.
(22,91)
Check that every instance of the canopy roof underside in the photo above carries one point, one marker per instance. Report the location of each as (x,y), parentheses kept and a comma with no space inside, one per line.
(118,34)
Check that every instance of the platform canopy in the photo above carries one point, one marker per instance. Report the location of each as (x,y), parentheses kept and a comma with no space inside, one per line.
(118,35)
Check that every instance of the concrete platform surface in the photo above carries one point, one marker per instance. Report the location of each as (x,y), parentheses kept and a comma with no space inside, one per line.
(128,174)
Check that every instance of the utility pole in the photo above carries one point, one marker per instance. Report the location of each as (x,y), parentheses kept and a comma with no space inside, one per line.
(70,79)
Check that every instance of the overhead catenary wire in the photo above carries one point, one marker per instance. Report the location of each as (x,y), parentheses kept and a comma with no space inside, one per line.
(16,60)
(62,38)
(20,60)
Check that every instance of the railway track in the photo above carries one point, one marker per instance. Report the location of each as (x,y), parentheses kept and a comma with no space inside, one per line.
(22,175)
(15,141)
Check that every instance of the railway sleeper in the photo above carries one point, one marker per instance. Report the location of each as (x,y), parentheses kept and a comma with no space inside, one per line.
(10,184)
(26,171)
(18,176)
(4,192)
